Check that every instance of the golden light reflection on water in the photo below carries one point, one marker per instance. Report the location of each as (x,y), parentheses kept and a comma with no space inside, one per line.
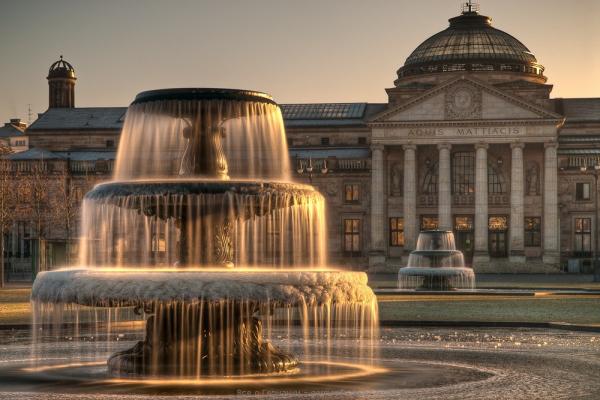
(138,269)
(353,371)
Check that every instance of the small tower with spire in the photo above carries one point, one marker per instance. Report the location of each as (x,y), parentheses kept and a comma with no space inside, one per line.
(61,85)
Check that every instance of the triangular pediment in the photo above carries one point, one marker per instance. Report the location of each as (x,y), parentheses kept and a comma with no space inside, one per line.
(464,99)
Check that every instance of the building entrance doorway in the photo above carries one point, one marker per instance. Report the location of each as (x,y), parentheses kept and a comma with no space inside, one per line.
(497,236)
(465,236)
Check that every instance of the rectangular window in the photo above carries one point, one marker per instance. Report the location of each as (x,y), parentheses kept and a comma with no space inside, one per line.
(582,191)
(463,173)
(110,143)
(325,141)
(352,193)
(396,232)
(498,224)
(463,224)
(352,236)
(429,223)
(533,231)
(362,140)
(583,237)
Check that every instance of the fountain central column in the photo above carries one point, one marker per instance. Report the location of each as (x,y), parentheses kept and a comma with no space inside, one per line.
(444,190)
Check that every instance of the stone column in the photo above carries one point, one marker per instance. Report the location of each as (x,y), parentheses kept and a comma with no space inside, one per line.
(376,253)
(550,219)
(410,198)
(444,189)
(517,190)
(481,253)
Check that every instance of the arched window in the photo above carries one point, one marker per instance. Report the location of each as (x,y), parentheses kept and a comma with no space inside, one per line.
(496,181)
(463,172)
(429,185)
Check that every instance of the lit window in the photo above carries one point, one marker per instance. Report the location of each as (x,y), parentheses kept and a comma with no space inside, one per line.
(352,236)
(498,224)
(533,234)
(463,173)
(429,223)
(463,224)
(582,191)
(352,193)
(583,237)
(396,232)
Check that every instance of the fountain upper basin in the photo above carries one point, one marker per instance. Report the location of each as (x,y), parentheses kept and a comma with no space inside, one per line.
(111,287)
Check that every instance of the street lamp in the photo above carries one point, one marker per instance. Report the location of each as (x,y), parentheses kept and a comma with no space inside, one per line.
(595,171)
(309,169)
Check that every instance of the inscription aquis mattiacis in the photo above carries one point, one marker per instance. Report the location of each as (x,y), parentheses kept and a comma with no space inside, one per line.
(458,132)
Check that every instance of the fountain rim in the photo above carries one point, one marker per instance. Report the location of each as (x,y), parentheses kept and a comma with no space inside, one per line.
(196,185)
(203,94)
(96,287)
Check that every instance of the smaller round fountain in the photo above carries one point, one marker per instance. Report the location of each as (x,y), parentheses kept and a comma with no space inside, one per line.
(436,264)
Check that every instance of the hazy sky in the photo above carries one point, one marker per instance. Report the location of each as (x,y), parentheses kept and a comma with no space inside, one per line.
(299,51)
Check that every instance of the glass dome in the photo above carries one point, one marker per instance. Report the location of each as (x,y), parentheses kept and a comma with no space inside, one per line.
(470,43)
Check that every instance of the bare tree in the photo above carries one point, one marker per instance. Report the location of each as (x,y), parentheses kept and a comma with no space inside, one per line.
(36,191)
(66,205)
(8,203)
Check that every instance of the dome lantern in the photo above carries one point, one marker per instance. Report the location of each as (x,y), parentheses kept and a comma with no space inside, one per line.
(61,84)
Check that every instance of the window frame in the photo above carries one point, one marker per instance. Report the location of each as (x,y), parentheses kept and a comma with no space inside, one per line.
(355,192)
(463,167)
(582,233)
(355,235)
(532,234)
(396,231)
(580,195)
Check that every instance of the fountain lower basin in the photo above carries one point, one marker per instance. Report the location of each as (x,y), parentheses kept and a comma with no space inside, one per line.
(206,322)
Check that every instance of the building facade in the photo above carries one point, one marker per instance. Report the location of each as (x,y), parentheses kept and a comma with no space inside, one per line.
(469,140)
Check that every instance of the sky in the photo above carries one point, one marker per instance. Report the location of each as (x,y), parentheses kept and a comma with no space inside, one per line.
(299,51)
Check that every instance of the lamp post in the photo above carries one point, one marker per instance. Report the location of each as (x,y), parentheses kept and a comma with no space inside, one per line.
(595,171)
(309,169)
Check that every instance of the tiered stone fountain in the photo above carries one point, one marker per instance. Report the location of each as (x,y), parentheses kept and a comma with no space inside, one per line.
(204,236)
(436,264)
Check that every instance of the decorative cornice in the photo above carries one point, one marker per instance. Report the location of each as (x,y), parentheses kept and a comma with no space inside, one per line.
(513,122)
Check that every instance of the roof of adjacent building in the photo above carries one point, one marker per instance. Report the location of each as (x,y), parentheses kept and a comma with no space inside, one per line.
(294,115)
(35,153)
(9,130)
(329,114)
(579,109)
(104,118)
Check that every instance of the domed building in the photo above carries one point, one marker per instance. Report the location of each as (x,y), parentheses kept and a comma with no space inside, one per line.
(469,140)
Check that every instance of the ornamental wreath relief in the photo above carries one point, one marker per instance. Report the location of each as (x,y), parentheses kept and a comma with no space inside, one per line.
(463,102)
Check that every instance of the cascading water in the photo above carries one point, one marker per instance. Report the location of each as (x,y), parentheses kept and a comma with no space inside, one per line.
(202,237)
(436,264)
